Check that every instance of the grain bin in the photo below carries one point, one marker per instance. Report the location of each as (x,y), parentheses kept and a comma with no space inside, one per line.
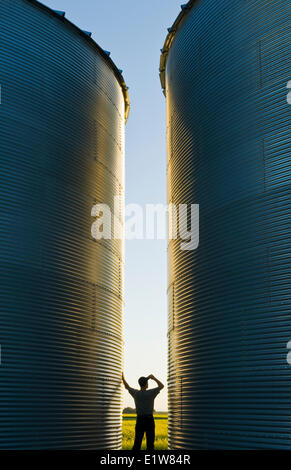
(226,70)
(63,109)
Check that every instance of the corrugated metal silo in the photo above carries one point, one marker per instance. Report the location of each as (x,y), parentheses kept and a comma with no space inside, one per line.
(62,115)
(225,69)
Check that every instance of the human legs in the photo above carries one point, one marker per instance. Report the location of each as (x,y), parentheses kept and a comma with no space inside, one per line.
(150,433)
(139,432)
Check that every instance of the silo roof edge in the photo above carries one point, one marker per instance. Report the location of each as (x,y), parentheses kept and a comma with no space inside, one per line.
(102,52)
(169,40)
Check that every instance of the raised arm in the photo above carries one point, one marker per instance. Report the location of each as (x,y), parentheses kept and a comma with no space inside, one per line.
(159,383)
(124,382)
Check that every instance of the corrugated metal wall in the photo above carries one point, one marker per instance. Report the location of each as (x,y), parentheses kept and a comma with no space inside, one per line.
(62,117)
(229,146)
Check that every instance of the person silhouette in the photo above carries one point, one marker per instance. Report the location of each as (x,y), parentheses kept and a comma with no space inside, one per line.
(144,403)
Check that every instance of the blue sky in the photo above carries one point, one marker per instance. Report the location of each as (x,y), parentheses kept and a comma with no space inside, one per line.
(134,32)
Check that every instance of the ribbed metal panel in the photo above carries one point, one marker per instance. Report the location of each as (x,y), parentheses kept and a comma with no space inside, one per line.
(225,66)
(62,117)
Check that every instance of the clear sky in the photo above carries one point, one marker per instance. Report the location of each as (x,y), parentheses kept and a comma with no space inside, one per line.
(134,31)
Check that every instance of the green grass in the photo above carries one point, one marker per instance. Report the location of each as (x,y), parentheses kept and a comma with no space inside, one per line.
(128,429)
